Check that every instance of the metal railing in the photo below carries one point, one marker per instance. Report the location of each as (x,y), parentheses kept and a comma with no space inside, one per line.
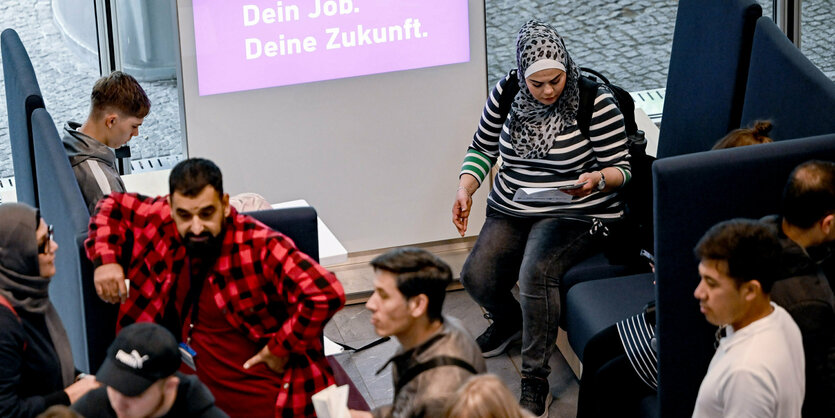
(787,18)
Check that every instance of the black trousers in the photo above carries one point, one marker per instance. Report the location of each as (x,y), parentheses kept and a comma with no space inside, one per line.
(609,386)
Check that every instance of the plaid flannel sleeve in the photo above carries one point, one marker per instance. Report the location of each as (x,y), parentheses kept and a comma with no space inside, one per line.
(110,223)
(312,293)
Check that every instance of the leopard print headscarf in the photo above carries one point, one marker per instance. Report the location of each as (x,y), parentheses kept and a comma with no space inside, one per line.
(534,126)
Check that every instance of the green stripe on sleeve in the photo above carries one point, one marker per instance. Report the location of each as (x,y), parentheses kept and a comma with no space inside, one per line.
(477,164)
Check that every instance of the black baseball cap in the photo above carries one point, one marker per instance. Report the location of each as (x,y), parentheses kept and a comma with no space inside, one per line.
(141,354)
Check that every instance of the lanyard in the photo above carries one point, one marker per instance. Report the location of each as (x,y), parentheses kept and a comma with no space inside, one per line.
(192,301)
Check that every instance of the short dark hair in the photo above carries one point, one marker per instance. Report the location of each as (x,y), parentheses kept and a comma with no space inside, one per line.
(750,248)
(809,194)
(121,92)
(417,271)
(189,177)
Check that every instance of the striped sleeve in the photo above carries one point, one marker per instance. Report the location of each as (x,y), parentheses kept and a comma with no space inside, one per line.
(608,135)
(484,150)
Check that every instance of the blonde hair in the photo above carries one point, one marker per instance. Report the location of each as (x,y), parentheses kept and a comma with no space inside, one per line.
(484,396)
(758,134)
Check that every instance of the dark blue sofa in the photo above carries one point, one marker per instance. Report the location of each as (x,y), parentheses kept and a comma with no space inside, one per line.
(702,102)
(784,86)
(23,96)
(63,206)
(693,193)
(707,76)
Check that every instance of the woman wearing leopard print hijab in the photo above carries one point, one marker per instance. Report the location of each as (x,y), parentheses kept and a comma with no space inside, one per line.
(529,239)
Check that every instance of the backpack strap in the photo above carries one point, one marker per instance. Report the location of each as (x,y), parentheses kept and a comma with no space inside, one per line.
(588,93)
(5,302)
(428,365)
(509,91)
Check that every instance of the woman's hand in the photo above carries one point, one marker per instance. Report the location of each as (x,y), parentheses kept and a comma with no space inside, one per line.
(467,185)
(461,210)
(591,179)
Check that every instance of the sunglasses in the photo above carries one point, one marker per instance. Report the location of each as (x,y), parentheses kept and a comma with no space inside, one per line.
(44,247)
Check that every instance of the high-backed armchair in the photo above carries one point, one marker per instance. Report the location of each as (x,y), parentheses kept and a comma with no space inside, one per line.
(707,74)
(71,290)
(23,96)
(738,182)
(784,86)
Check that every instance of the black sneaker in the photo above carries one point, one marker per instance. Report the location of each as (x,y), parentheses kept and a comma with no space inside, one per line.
(497,338)
(536,396)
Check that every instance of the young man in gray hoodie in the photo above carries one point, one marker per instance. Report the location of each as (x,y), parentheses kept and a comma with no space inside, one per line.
(436,355)
(118,105)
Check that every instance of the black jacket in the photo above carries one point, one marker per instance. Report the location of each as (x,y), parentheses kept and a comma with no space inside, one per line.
(30,374)
(806,294)
(193,400)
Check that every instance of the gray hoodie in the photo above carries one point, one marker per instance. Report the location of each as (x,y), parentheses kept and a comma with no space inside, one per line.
(94,165)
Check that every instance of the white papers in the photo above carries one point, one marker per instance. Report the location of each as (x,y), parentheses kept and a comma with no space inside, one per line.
(540,194)
(150,183)
(650,130)
(332,402)
(331,347)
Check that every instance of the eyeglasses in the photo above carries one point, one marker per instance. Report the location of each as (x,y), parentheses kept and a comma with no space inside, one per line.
(45,247)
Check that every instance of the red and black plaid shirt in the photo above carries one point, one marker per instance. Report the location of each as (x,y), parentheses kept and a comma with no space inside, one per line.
(269,290)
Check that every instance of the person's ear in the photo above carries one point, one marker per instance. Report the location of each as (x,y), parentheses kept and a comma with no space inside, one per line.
(418,305)
(227,208)
(827,224)
(751,289)
(110,119)
(171,384)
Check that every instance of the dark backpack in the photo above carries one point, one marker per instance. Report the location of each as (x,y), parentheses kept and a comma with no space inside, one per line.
(636,234)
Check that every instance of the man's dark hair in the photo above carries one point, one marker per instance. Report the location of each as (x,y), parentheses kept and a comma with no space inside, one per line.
(809,194)
(750,248)
(121,92)
(190,176)
(417,271)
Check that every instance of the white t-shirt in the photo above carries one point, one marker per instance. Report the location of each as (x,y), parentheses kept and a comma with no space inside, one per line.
(756,372)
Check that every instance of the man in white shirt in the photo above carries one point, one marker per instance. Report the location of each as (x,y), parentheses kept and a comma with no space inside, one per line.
(758,367)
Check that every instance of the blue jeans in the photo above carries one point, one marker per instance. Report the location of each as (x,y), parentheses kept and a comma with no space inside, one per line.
(535,252)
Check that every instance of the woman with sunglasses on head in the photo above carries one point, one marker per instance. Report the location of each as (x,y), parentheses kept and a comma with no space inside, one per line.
(36,364)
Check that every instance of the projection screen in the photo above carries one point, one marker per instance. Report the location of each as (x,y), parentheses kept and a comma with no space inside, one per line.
(364,108)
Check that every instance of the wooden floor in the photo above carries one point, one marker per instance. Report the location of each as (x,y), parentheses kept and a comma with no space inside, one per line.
(351,326)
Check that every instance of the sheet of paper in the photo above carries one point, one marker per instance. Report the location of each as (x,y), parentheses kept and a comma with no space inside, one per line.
(538,194)
(149,183)
(331,402)
(650,131)
(331,347)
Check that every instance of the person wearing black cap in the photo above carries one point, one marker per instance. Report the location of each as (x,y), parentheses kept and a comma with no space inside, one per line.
(140,379)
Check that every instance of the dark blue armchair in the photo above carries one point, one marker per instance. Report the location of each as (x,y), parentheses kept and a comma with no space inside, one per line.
(707,74)
(23,96)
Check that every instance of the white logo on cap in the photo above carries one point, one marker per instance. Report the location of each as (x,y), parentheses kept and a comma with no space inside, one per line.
(133,359)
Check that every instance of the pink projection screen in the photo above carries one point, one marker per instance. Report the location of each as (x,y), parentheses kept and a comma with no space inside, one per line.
(253,44)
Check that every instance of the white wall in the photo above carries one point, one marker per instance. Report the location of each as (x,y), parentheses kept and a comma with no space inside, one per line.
(377,156)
